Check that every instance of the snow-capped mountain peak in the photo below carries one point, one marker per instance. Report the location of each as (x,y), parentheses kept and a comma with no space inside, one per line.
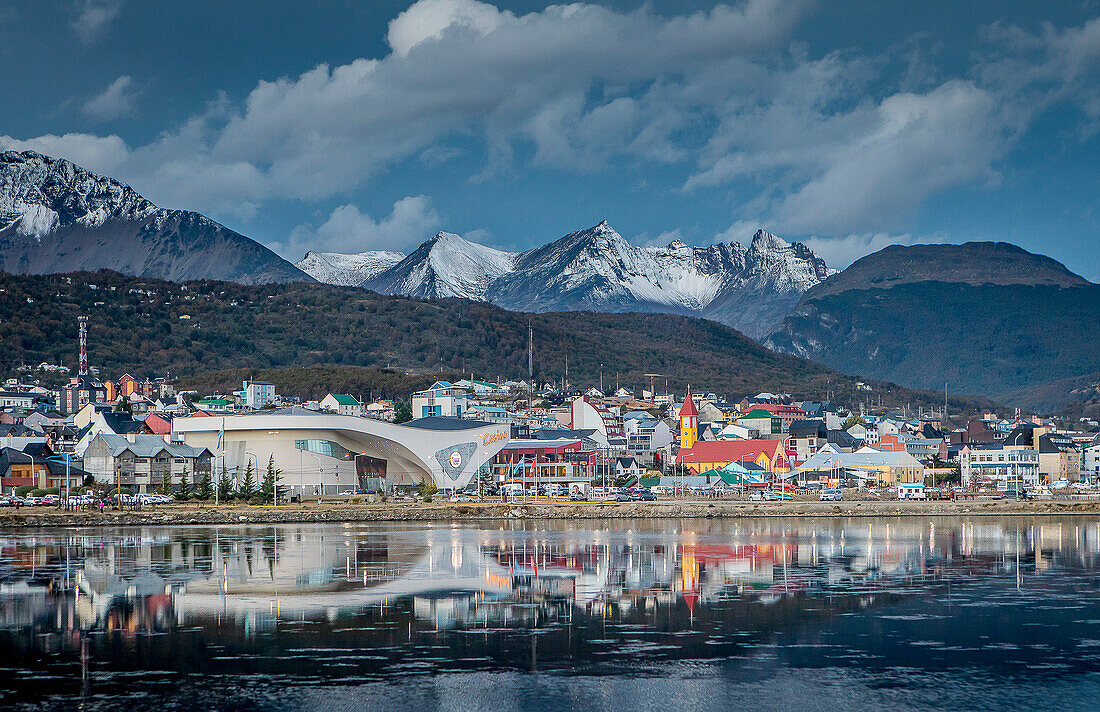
(347,270)
(750,288)
(445,266)
(58,217)
(39,194)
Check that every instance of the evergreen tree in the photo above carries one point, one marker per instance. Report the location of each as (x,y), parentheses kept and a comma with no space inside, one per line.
(185,487)
(166,483)
(205,489)
(247,487)
(225,486)
(402,412)
(267,487)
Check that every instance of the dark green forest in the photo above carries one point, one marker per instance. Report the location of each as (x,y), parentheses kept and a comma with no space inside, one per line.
(150,327)
(1033,346)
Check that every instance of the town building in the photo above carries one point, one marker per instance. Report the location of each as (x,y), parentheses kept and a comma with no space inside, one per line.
(532,462)
(983,464)
(255,395)
(714,454)
(689,423)
(442,399)
(762,421)
(342,403)
(806,437)
(332,453)
(866,466)
(589,414)
(142,462)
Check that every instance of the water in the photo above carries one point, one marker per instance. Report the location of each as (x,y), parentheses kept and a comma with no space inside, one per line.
(859,614)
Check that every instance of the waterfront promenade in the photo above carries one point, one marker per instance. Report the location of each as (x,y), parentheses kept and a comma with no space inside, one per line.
(195,513)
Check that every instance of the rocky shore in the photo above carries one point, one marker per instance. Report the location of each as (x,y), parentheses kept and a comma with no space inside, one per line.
(185,514)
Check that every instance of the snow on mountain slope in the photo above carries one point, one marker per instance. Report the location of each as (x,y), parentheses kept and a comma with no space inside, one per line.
(57,217)
(444,266)
(750,288)
(347,270)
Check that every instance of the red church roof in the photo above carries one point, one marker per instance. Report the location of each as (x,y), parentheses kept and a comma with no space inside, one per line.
(729,450)
(688,408)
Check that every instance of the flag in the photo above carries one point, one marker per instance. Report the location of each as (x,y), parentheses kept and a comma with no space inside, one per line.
(221,435)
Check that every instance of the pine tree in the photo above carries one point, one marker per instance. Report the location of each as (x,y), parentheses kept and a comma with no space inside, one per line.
(270,489)
(206,487)
(166,483)
(247,487)
(185,487)
(225,486)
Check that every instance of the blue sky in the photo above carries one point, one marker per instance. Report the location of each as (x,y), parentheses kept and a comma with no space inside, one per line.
(352,125)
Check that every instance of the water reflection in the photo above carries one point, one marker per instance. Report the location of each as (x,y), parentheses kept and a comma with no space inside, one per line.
(106,615)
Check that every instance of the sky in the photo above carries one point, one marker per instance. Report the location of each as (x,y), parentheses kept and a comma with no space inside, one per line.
(349,125)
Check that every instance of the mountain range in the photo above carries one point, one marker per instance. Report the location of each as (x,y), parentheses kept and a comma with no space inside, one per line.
(58,217)
(981,317)
(986,318)
(596,269)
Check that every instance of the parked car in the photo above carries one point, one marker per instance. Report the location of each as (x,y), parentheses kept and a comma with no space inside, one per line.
(461,498)
(646,496)
(762,496)
(831,494)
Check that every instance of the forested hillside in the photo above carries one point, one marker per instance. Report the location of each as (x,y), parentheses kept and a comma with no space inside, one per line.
(152,327)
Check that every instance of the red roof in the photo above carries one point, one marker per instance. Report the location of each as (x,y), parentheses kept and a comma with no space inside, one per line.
(729,450)
(159,425)
(688,408)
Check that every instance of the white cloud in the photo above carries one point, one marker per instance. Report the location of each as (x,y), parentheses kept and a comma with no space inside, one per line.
(117,100)
(914,146)
(819,145)
(429,19)
(555,80)
(93,17)
(411,221)
(839,252)
(102,154)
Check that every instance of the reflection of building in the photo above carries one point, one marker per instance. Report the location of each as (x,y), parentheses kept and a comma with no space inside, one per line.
(318,451)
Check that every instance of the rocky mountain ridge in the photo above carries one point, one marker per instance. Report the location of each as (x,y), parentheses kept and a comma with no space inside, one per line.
(596,269)
(58,217)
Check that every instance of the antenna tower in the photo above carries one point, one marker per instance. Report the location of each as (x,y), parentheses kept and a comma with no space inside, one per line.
(82,323)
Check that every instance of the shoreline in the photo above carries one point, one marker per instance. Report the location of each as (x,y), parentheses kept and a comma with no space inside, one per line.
(337,513)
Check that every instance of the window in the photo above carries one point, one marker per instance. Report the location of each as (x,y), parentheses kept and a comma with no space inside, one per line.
(325,447)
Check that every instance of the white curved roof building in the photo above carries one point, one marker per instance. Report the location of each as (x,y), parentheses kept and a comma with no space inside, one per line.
(330,453)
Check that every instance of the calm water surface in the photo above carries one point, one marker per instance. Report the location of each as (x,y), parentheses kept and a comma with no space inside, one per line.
(860,614)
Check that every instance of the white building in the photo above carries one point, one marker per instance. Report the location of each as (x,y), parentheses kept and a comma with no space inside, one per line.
(257,394)
(442,399)
(341,403)
(590,415)
(1090,464)
(1007,469)
(331,453)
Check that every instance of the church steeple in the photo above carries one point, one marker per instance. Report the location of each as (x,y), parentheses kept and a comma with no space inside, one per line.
(689,423)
